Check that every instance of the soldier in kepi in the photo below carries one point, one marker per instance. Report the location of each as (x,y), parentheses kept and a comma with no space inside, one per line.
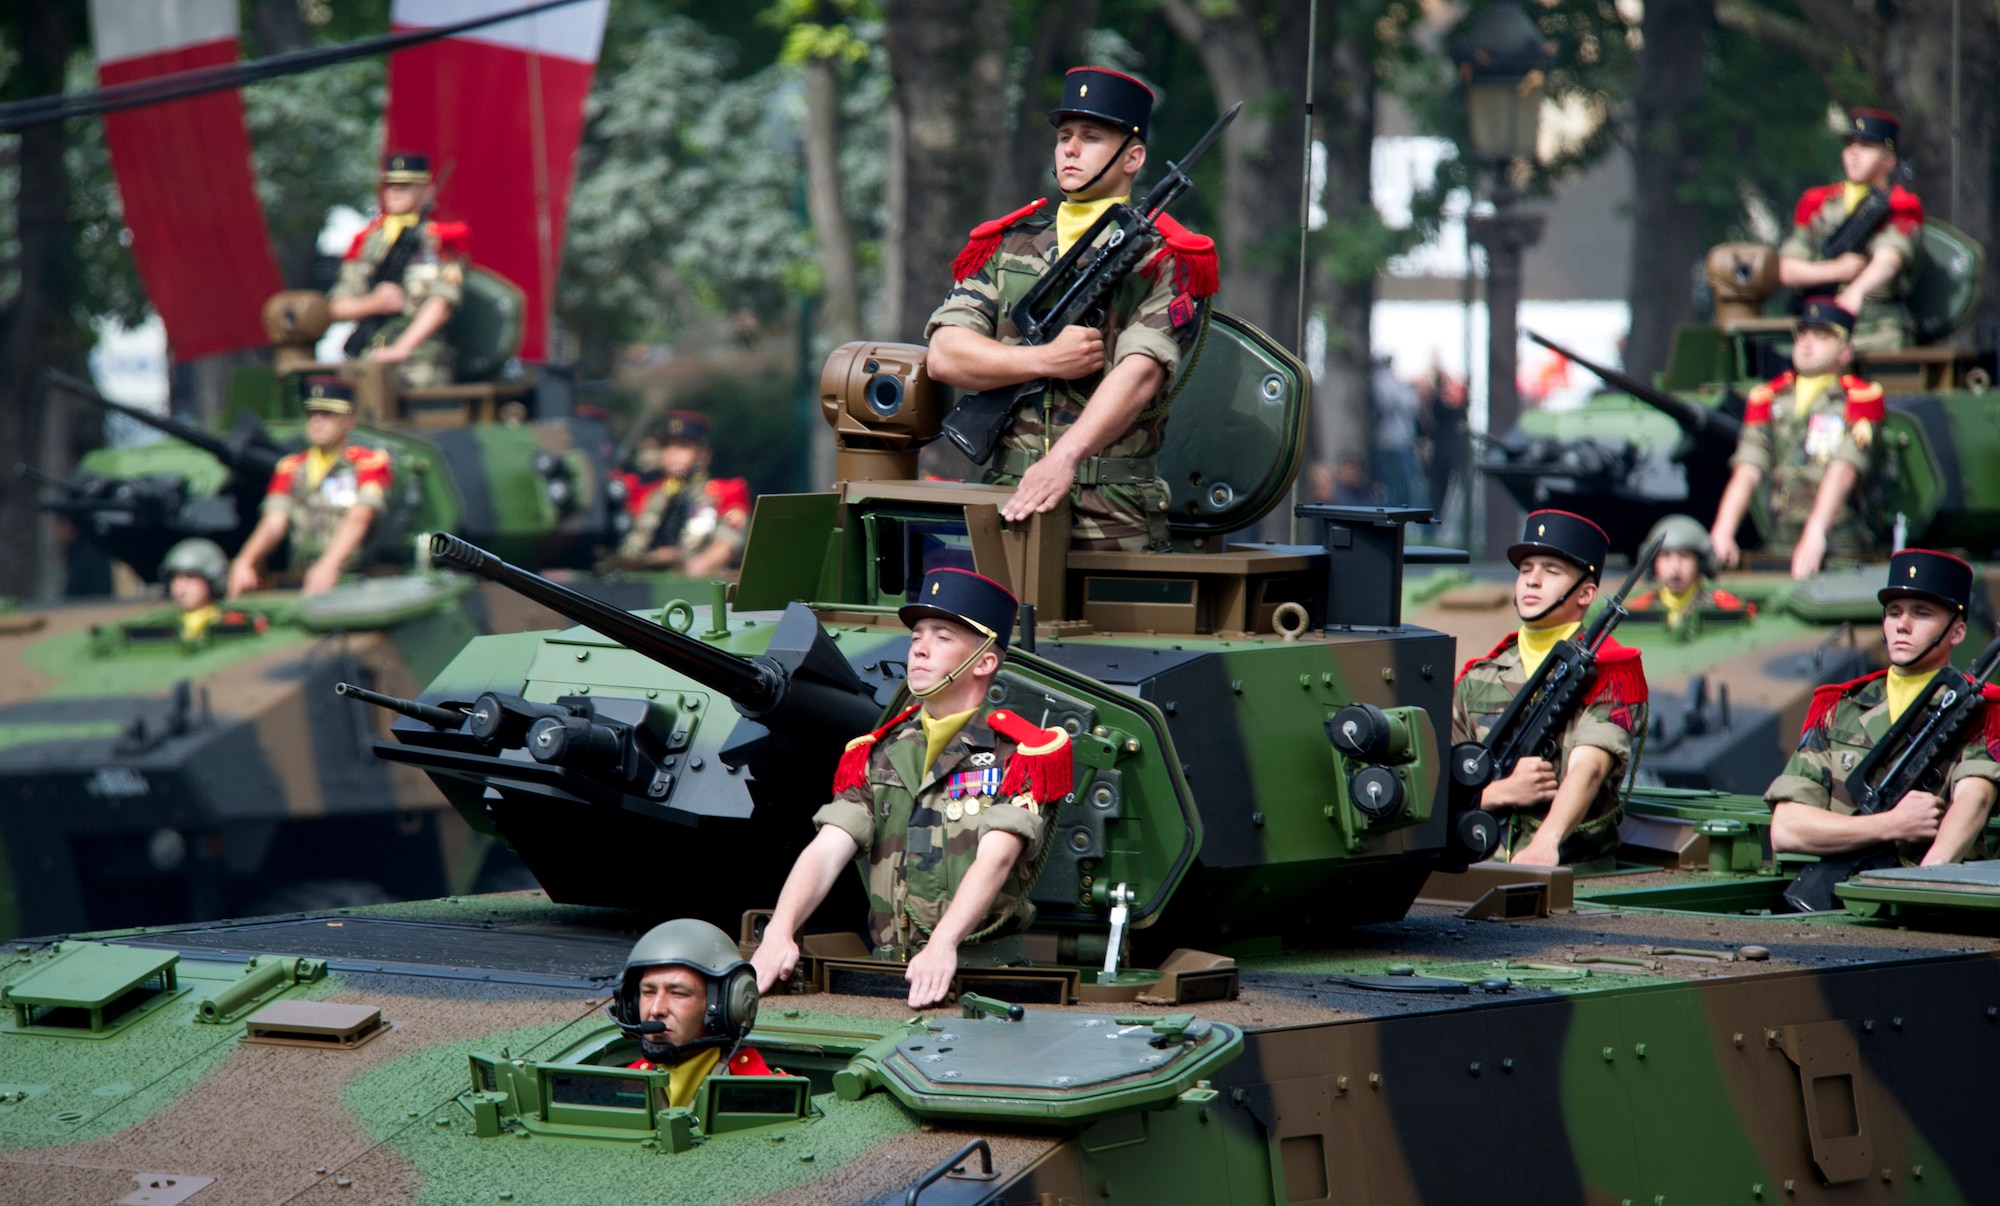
(1923,620)
(690,522)
(1093,436)
(690,1000)
(1871,281)
(1809,439)
(943,809)
(418,305)
(1566,810)
(1683,568)
(196,572)
(327,498)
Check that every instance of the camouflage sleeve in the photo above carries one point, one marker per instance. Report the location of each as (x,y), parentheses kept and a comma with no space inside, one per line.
(280,504)
(1461,717)
(1975,761)
(1799,245)
(851,816)
(1609,727)
(1753,447)
(1807,777)
(1151,331)
(430,277)
(1854,454)
(973,303)
(353,279)
(1023,819)
(1888,238)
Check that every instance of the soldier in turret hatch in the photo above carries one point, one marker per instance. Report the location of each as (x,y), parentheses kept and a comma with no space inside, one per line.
(326,498)
(690,1000)
(1809,440)
(1094,436)
(1923,620)
(1682,568)
(690,522)
(1873,282)
(1565,811)
(421,303)
(944,809)
(195,572)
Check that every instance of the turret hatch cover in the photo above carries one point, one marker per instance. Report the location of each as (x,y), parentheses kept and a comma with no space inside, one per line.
(379,602)
(1050,1065)
(1236,430)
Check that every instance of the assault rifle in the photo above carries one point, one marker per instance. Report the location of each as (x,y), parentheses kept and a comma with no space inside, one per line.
(1860,226)
(1912,756)
(396,262)
(1534,721)
(1709,428)
(1075,292)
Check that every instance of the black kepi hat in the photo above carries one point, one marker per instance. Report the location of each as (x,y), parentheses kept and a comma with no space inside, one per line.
(688,425)
(328,394)
(1873,125)
(1826,312)
(401,167)
(1112,97)
(1566,535)
(971,599)
(1928,574)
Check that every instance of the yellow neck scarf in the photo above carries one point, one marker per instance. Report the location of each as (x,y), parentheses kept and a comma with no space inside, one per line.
(195,624)
(1806,391)
(1075,217)
(319,463)
(938,732)
(393,225)
(1535,643)
(1852,194)
(1678,602)
(685,1077)
(1904,689)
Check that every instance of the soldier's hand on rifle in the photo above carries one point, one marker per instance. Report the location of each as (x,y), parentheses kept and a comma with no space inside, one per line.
(1075,352)
(1914,818)
(1532,784)
(386,298)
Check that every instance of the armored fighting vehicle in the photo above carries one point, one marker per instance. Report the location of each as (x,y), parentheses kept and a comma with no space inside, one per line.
(1257,737)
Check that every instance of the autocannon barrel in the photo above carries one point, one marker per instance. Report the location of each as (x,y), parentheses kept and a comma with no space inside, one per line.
(436,717)
(1711,428)
(255,459)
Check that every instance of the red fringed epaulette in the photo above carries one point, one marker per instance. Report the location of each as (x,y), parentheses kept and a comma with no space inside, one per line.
(853,769)
(1042,764)
(1813,200)
(985,240)
(729,494)
(1757,409)
(1989,729)
(1197,269)
(354,248)
(1906,211)
(1489,655)
(1864,400)
(453,238)
(1825,699)
(1619,676)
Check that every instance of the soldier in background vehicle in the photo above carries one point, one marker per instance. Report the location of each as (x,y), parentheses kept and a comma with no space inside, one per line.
(422,302)
(690,998)
(689,522)
(1683,568)
(196,571)
(327,498)
(1923,620)
(1809,438)
(1872,283)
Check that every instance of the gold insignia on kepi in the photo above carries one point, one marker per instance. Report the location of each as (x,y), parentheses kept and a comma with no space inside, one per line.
(935,585)
(1541,529)
(1083,90)
(1913,571)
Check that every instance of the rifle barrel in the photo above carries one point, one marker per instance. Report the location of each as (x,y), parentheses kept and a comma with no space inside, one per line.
(436,717)
(1710,427)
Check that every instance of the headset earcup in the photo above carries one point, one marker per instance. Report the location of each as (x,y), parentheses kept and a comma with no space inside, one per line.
(740,1000)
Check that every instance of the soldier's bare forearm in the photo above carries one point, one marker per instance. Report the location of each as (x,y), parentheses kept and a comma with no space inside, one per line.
(1114,405)
(812,876)
(263,540)
(1963,823)
(1812,274)
(1882,268)
(1802,829)
(430,319)
(1736,499)
(971,361)
(1831,498)
(1583,776)
(347,538)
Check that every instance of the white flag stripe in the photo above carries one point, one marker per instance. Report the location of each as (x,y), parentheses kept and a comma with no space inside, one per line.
(573,32)
(126,29)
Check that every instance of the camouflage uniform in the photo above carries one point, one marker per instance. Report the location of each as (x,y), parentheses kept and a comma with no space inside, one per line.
(691,514)
(1485,688)
(1834,744)
(359,477)
(1793,451)
(1884,324)
(917,845)
(1150,315)
(436,271)
(1708,601)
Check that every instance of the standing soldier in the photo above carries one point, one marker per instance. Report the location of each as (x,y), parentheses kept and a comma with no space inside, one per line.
(690,522)
(1873,281)
(943,809)
(420,304)
(328,498)
(1683,567)
(1923,620)
(1564,811)
(1811,434)
(1094,435)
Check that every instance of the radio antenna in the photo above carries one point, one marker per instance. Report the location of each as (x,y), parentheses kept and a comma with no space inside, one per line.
(1305,222)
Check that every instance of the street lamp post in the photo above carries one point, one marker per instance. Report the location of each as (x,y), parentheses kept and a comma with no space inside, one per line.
(1502,59)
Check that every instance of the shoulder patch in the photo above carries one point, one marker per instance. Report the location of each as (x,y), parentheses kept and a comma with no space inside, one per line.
(985,240)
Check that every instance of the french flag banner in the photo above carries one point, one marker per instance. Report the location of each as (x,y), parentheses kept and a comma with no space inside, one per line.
(501,110)
(184,175)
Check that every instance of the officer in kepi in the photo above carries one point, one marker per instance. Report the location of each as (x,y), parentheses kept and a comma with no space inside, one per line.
(689,521)
(1923,621)
(943,809)
(196,571)
(690,999)
(327,498)
(1094,435)
(1809,440)
(1872,283)
(431,288)
(1566,810)
(1683,568)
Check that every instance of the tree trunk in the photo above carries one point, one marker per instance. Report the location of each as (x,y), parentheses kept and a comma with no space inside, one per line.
(1056,46)
(947,67)
(840,318)
(1668,88)
(1344,103)
(36,329)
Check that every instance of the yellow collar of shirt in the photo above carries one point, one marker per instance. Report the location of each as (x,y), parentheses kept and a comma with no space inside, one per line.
(1075,217)
(1807,390)
(1904,689)
(393,225)
(938,732)
(1535,643)
(1679,602)
(685,1077)
(1853,193)
(319,463)
(195,624)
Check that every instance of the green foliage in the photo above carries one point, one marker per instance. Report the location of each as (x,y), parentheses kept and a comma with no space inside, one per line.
(314,141)
(822,29)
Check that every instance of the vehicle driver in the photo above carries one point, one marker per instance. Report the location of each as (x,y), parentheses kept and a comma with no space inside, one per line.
(195,572)
(690,999)
(1683,568)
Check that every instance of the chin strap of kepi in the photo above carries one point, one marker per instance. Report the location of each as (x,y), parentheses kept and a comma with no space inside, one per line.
(1086,186)
(1561,599)
(962,667)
